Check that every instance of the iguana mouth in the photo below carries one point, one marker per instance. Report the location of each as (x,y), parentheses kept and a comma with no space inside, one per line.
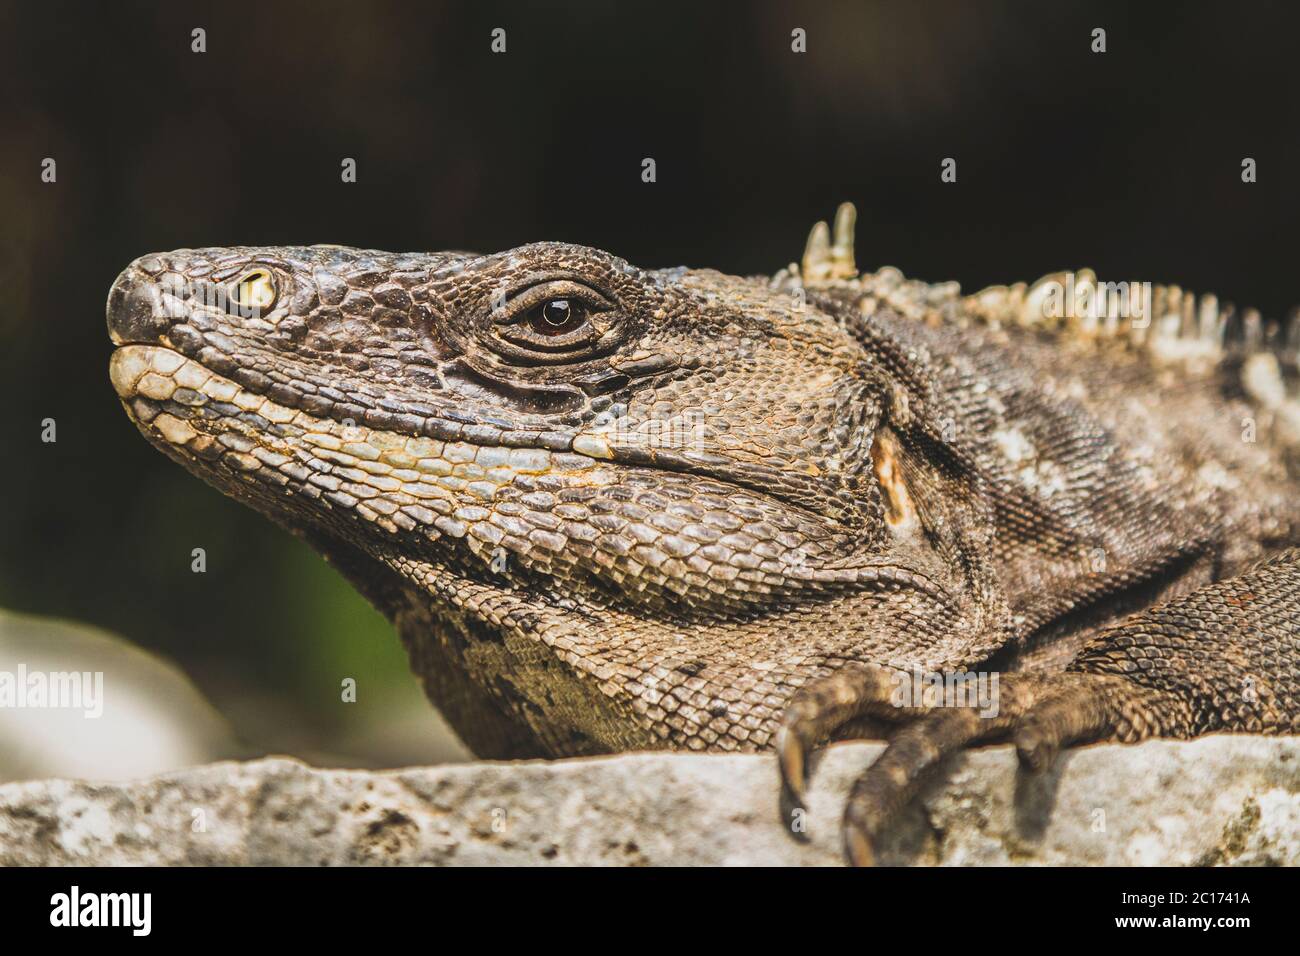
(162,374)
(211,418)
(206,420)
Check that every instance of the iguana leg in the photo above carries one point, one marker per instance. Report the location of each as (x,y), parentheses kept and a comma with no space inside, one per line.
(1225,657)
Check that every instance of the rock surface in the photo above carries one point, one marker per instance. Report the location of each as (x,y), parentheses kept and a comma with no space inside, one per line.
(1229,800)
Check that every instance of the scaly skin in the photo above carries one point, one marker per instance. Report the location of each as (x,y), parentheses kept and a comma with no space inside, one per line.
(611,508)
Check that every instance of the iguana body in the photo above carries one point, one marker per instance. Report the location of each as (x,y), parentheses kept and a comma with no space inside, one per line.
(610,508)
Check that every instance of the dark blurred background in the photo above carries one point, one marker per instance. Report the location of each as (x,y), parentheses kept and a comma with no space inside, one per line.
(1128,162)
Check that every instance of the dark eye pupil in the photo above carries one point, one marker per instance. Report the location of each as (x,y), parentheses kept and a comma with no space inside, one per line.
(557,312)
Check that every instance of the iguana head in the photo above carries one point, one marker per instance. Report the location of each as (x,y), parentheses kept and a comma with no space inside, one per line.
(547,411)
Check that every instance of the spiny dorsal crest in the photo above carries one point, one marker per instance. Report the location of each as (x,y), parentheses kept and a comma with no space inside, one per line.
(824,259)
(1169,326)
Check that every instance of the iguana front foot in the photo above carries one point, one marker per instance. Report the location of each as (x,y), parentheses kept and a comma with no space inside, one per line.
(1041,713)
(1222,658)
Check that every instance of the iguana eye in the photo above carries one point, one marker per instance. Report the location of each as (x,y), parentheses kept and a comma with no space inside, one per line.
(254,290)
(557,316)
(552,321)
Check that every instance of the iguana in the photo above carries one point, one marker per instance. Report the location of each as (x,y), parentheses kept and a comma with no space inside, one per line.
(611,508)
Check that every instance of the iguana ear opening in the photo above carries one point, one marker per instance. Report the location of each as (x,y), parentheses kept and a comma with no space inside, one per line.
(886,462)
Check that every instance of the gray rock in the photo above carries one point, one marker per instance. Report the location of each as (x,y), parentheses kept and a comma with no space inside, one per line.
(1228,800)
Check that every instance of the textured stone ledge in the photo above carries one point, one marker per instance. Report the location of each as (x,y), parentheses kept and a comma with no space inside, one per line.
(1232,800)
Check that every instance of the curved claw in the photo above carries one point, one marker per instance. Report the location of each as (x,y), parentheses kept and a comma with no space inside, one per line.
(792,758)
(859,846)
(814,712)
(897,774)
